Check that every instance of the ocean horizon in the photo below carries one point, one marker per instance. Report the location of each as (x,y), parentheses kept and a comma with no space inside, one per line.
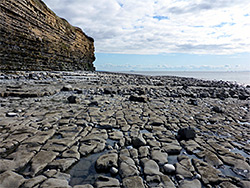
(240,77)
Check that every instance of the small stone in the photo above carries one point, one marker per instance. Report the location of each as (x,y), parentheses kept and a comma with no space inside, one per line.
(169,168)
(113,170)
(129,147)
(198,176)
(11,114)
(179,177)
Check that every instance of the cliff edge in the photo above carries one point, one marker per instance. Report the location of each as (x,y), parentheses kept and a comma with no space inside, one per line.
(32,37)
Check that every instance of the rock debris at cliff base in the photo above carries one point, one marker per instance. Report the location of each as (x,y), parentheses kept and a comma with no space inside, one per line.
(95,129)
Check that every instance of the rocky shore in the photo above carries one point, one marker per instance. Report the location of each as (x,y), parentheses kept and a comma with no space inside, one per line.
(96,129)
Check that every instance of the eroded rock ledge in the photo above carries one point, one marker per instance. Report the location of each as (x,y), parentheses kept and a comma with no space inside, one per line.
(32,37)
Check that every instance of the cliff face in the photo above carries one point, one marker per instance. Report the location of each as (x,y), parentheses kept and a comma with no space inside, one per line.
(32,37)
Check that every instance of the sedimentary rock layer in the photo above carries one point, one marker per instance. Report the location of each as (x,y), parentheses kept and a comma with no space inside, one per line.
(84,129)
(32,37)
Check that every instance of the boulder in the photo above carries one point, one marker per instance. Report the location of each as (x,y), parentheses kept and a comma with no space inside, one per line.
(217,109)
(151,168)
(106,161)
(190,184)
(135,98)
(186,133)
(160,157)
(133,182)
(73,99)
(10,179)
(138,141)
(104,181)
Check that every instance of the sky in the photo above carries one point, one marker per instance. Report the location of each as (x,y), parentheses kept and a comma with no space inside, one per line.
(163,35)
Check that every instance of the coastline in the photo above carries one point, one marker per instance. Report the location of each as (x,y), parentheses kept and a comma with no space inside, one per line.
(240,77)
(102,128)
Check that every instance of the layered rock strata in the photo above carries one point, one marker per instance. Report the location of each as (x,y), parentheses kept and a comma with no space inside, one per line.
(32,37)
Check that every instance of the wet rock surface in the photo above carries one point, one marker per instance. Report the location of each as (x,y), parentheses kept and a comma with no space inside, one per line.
(95,129)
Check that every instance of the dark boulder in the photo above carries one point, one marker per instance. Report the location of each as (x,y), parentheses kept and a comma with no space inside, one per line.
(73,99)
(67,88)
(186,134)
(193,102)
(217,109)
(108,91)
(138,98)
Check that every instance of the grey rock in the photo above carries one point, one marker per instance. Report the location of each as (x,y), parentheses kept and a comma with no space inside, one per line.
(133,153)
(190,184)
(61,175)
(54,183)
(244,184)
(72,153)
(62,164)
(30,183)
(166,182)
(227,185)
(6,164)
(133,182)
(106,161)
(10,179)
(143,151)
(104,181)
(151,168)
(209,174)
(41,160)
(138,141)
(212,159)
(160,157)
(116,135)
(83,186)
(127,167)
(183,171)
(172,148)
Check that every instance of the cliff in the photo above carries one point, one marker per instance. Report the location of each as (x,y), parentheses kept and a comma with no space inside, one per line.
(32,37)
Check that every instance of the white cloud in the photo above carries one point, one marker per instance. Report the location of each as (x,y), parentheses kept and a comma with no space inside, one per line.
(186,26)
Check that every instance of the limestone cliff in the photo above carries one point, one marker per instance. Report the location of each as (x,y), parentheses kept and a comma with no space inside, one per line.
(32,37)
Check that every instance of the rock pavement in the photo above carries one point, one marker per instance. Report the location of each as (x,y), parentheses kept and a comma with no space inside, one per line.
(97,129)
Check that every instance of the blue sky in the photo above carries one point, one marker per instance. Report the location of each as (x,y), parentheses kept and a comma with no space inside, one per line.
(163,34)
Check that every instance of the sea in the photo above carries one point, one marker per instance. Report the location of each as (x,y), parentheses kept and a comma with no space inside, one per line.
(240,77)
